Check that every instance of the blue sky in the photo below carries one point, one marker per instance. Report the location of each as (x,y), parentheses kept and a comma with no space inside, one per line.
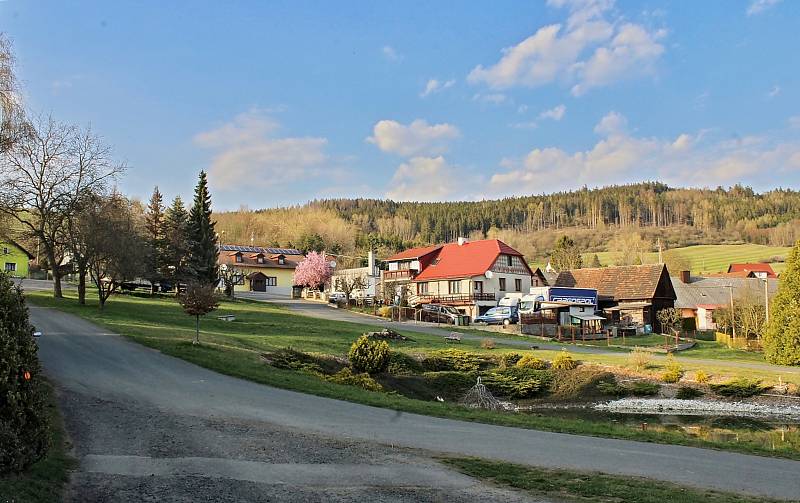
(283,102)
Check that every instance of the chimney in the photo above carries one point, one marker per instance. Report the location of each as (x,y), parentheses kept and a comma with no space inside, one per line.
(685,277)
(462,241)
(371,262)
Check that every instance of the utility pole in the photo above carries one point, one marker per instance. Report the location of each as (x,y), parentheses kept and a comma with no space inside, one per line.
(733,313)
(766,298)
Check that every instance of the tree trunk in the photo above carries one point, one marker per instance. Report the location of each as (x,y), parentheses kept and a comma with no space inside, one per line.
(82,283)
(51,257)
(196,329)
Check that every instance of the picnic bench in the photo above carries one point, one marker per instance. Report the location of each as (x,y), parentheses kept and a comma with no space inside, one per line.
(227,317)
(452,337)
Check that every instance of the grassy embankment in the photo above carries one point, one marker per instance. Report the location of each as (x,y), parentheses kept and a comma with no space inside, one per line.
(234,348)
(711,258)
(45,480)
(583,486)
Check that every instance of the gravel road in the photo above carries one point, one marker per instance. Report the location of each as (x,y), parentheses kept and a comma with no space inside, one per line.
(148,426)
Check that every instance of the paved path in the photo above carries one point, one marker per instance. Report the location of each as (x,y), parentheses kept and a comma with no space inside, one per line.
(133,411)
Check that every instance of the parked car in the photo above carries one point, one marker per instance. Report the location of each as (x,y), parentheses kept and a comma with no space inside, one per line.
(500,315)
(437,313)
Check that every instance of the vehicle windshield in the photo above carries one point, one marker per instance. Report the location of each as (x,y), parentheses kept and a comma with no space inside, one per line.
(451,310)
(526,305)
(498,310)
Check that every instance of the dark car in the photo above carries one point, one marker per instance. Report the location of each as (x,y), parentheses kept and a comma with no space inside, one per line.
(500,315)
(437,313)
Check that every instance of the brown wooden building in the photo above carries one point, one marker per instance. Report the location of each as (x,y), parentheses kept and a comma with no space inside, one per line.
(632,294)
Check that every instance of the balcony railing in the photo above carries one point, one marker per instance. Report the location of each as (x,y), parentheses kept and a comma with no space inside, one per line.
(455,298)
(395,275)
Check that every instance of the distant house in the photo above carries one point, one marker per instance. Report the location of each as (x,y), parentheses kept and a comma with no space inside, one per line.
(626,293)
(471,276)
(699,296)
(15,259)
(370,276)
(261,269)
(757,270)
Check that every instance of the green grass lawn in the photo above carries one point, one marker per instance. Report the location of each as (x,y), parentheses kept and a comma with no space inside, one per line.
(45,480)
(234,348)
(584,486)
(711,258)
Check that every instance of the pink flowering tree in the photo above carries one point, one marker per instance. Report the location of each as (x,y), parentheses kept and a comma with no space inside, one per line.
(314,271)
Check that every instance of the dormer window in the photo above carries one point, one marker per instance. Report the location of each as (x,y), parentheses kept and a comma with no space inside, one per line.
(260,258)
(238,258)
(281,260)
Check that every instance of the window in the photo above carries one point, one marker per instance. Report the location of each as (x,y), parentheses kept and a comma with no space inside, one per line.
(509,260)
(239,258)
(479,286)
(281,259)
(454,286)
(272,281)
(422,288)
(518,285)
(260,259)
(6,251)
(11,267)
(502,284)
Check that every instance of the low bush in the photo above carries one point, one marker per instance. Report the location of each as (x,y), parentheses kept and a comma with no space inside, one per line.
(403,364)
(509,359)
(452,360)
(531,362)
(688,393)
(564,361)
(384,311)
(578,384)
(512,386)
(640,359)
(611,388)
(450,384)
(701,377)
(369,355)
(643,388)
(488,343)
(739,388)
(673,370)
(363,380)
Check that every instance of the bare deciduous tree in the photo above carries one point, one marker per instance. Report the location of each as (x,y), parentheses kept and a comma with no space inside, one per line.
(113,244)
(348,283)
(45,175)
(11,115)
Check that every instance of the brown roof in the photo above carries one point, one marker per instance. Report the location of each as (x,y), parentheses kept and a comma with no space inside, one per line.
(251,260)
(617,283)
(413,253)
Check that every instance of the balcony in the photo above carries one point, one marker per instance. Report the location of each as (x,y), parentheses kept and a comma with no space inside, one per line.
(403,274)
(456,298)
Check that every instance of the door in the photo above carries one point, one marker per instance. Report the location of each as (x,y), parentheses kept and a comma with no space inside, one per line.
(258,284)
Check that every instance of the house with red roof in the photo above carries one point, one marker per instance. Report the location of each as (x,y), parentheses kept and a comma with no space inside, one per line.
(757,270)
(471,276)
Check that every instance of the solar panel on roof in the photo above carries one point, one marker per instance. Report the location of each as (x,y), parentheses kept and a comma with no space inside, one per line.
(259,249)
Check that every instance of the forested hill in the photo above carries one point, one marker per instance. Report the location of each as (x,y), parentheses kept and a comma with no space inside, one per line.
(739,212)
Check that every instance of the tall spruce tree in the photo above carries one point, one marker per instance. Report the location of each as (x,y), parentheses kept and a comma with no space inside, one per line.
(154,226)
(782,337)
(24,427)
(566,255)
(203,251)
(176,242)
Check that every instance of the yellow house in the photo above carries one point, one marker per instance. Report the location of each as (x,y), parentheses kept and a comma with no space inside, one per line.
(14,259)
(261,269)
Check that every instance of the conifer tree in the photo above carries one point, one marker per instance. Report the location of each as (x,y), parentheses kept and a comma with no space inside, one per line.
(782,337)
(176,242)
(566,255)
(203,249)
(154,226)
(24,427)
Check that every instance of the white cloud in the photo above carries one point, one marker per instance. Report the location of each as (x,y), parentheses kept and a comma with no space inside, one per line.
(522,109)
(247,154)
(435,86)
(794,122)
(616,50)
(418,138)
(390,53)
(759,6)
(619,157)
(494,98)
(775,91)
(555,113)
(612,123)
(424,179)
(524,125)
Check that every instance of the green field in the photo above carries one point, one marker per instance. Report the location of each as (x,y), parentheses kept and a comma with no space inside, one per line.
(710,258)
